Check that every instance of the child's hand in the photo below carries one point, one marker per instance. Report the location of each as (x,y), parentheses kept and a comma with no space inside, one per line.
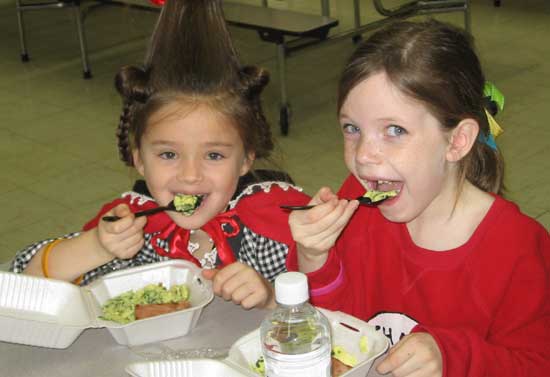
(243,285)
(316,230)
(122,238)
(417,355)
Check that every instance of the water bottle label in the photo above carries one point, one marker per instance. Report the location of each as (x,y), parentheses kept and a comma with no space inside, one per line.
(311,364)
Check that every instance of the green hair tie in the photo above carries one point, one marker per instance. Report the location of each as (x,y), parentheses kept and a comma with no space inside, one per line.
(491,91)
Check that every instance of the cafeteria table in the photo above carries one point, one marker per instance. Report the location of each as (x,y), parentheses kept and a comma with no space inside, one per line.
(96,354)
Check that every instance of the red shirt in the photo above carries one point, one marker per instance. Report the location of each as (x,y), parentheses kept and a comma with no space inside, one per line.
(486,303)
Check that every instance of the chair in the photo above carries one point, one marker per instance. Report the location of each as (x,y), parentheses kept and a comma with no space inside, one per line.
(25,6)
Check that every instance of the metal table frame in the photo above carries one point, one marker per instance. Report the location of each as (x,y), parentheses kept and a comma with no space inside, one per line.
(74,5)
(283,47)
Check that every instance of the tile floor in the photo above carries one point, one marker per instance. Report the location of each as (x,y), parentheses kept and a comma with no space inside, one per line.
(57,143)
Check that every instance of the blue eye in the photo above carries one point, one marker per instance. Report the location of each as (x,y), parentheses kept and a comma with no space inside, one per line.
(394,130)
(167,155)
(349,128)
(215,156)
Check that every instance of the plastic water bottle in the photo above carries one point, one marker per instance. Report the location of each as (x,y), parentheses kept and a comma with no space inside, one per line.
(296,338)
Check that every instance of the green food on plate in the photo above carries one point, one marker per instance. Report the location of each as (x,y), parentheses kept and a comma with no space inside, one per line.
(339,353)
(121,308)
(363,344)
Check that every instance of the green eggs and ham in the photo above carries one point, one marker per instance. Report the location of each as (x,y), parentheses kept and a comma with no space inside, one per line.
(121,308)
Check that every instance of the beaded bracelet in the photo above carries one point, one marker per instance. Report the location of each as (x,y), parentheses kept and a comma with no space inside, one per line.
(45,255)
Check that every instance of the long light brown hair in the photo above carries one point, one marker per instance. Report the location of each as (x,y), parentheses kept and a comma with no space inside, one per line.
(434,63)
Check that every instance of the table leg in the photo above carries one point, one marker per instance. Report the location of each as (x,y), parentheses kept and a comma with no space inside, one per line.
(284,113)
(24,53)
(82,39)
(325,8)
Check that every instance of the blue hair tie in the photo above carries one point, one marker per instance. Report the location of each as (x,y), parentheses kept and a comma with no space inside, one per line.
(489,140)
(495,96)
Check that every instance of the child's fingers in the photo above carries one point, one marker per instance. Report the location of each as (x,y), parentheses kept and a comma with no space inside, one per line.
(254,299)
(247,293)
(126,225)
(242,285)
(329,226)
(323,195)
(209,273)
(140,222)
(135,245)
(320,215)
(415,354)
(125,222)
(220,278)
(121,210)
(241,292)
(125,246)
(234,277)
(342,217)
(394,360)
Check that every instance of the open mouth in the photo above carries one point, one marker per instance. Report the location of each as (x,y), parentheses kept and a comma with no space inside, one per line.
(379,190)
(187,204)
(384,185)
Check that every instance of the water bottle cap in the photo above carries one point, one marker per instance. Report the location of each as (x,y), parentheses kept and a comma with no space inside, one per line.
(291,288)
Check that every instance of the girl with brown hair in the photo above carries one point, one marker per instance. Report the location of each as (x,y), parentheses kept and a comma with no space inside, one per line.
(454,274)
(192,125)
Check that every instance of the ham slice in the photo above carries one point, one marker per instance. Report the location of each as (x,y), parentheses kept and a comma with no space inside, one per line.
(151,310)
(338,368)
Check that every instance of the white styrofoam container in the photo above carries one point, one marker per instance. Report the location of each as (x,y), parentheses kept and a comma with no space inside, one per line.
(247,350)
(187,368)
(51,313)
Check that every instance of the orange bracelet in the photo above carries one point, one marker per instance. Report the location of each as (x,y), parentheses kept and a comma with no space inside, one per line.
(45,255)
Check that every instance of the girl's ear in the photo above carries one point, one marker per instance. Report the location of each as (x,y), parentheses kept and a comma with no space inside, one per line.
(462,140)
(138,163)
(247,163)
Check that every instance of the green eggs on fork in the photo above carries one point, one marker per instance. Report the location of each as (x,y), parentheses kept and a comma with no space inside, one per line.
(187,204)
(369,198)
(182,203)
(376,196)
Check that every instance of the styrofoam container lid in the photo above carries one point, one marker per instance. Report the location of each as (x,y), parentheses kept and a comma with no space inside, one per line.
(52,313)
(184,368)
(346,332)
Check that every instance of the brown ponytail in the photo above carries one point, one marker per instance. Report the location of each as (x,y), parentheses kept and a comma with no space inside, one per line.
(257,131)
(132,85)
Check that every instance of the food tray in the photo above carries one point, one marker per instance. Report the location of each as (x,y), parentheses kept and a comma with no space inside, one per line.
(246,351)
(52,313)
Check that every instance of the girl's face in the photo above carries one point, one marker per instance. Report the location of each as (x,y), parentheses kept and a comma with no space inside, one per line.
(392,142)
(192,150)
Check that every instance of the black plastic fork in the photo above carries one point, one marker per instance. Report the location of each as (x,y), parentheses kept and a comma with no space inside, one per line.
(147,212)
(363,200)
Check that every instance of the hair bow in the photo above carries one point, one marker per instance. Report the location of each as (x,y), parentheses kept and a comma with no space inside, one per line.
(496,103)
(179,238)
